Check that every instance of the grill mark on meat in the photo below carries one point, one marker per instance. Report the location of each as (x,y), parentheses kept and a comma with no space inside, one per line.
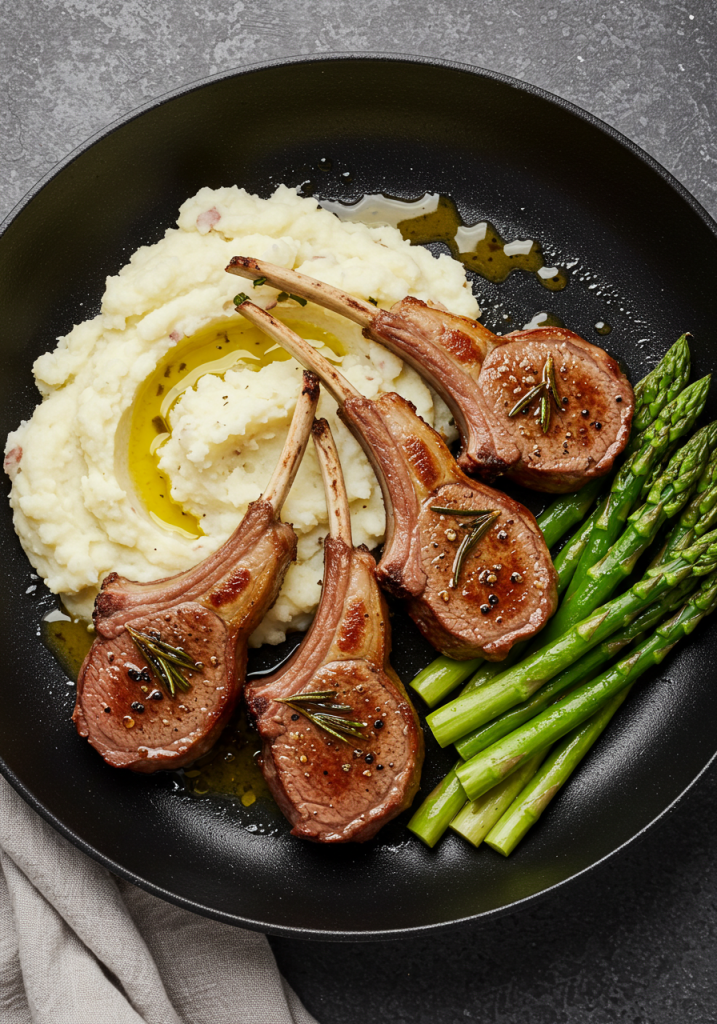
(422,461)
(353,627)
(230,588)
(208,613)
(460,346)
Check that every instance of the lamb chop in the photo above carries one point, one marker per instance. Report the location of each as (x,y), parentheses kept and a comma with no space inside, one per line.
(581,402)
(471,561)
(163,676)
(342,747)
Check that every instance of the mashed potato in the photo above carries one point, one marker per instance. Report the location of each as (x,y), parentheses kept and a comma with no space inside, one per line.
(76,509)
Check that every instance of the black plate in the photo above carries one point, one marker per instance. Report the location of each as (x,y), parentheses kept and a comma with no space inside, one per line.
(537,168)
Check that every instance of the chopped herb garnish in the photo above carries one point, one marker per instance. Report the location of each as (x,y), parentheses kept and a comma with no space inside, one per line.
(326,714)
(546,390)
(374,302)
(167,662)
(241,298)
(259,281)
(283,296)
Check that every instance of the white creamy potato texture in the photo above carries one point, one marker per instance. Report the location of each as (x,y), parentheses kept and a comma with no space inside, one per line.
(75,507)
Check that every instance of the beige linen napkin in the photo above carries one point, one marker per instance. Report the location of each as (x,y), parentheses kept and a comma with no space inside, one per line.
(78,946)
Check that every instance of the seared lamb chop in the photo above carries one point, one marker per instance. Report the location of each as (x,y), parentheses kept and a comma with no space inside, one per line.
(471,561)
(163,676)
(342,747)
(544,407)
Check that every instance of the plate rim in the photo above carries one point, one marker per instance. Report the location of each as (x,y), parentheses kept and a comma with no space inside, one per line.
(290,931)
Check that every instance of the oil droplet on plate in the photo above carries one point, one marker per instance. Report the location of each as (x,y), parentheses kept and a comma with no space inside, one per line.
(435,218)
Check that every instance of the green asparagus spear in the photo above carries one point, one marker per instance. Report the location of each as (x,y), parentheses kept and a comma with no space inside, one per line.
(568,558)
(584,668)
(668,495)
(548,780)
(492,668)
(490,766)
(464,714)
(438,809)
(441,677)
(477,817)
(659,387)
(567,511)
(652,394)
(675,421)
(698,517)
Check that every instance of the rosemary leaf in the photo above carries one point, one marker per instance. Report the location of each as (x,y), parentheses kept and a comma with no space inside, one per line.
(544,412)
(480,528)
(317,696)
(328,715)
(525,401)
(167,662)
(550,382)
(461,511)
(547,389)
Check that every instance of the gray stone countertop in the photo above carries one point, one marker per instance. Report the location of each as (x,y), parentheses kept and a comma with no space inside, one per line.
(635,940)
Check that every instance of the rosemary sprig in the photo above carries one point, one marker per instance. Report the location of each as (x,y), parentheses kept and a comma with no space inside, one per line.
(328,714)
(167,662)
(480,521)
(461,511)
(478,528)
(546,390)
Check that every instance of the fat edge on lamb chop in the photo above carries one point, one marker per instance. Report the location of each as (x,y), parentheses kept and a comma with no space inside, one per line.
(163,676)
(543,406)
(342,747)
(470,561)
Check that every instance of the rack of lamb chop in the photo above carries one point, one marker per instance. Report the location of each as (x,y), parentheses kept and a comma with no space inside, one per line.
(542,406)
(163,676)
(342,747)
(471,562)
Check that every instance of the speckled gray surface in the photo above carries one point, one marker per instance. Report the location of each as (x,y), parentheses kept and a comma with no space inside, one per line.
(636,940)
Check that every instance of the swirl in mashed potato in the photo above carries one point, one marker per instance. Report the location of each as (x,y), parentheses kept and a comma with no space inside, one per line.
(76,510)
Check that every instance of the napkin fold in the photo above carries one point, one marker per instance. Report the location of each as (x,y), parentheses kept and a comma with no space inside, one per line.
(79,946)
